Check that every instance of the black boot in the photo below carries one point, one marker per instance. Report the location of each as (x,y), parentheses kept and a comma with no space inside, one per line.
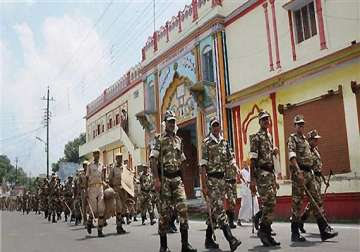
(209,241)
(100,232)
(185,246)
(128,219)
(46,214)
(233,242)
(163,244)
(256,219)
(264,235)
(143,218)
(295,234)
(65,217)
(326,231)
(152,221)
(119,228)
(304,217)
(89,225)
(49,216)
(134,218)
(271,239)
(53,218)
(231,215)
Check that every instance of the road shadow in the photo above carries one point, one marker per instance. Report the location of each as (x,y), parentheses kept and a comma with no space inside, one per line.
(304,244)
(262,248)
(94,236)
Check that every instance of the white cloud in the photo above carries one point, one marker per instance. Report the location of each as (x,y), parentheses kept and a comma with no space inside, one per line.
(59,51)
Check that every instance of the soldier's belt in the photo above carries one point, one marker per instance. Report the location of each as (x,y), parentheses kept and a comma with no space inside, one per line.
(218,175)
(267,167)
(305,168)
(172,175)
(96,185)
(230,181)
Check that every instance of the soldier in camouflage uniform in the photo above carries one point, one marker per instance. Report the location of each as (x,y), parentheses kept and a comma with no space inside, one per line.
(44,194)
(82,183)
(262,175)
(95,193)
(77,199)
(216,158)
(68,198)
(52,201)
(313,138)
(26,202)
(147,186)
(301,167)
(231,194)
(165,159)
(120,193)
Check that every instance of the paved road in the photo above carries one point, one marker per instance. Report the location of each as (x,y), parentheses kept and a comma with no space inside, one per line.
(33,233)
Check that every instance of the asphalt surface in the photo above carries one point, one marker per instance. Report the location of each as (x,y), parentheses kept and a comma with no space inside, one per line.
(32,233)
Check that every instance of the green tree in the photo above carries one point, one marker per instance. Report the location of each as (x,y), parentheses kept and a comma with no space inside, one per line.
(71,150)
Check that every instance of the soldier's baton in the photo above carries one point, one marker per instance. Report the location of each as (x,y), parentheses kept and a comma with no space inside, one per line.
(91,210)
(67,207)
(208,204)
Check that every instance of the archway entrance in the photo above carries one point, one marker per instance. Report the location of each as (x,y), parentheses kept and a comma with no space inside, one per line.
(190,168)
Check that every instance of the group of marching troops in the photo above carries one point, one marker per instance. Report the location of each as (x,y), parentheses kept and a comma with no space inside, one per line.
(97,193)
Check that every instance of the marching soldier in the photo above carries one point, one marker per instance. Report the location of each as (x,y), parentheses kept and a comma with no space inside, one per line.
(216,156)
(120,193)
(77,198)
(68,198)
(313,139)
(146,187)
(82,183)
(231,194)
(53,193)
(95,193)
(262,176)
(167,155)
(301,167)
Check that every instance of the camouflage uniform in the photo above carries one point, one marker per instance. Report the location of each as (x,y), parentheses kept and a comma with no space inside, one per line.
(82,184)
(77,199)
(168,151)
(299,148)
(120,194)
(54,192)
(231,193)
(68,198)
(261,155)
(26,203)
(216,159)
(147,186)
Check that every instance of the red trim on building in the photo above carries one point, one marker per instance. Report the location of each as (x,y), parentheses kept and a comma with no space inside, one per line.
(277,54)
(236,135)
(235,17)
(271,64)
(320,24)
(194,9)
(275,119)
(292,36)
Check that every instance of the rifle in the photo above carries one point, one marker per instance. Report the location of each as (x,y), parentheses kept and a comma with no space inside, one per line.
(314,203)
(328,180)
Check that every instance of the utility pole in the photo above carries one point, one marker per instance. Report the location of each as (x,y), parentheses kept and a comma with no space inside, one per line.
(46,121)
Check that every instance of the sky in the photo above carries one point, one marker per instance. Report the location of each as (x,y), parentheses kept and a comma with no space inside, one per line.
(77,49)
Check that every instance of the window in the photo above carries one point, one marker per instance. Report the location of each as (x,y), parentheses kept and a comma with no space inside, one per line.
(102,128)
(207,64)
(94,133)
(117,119)
(98,129)
(150,97)
(305,22)
(110,123)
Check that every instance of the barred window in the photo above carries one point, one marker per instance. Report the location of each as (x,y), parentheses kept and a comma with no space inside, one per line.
(305,22)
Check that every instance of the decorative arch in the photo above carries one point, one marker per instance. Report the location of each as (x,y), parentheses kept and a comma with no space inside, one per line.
(172,89)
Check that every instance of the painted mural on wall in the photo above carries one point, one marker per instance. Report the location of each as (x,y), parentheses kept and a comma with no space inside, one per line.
(184,66)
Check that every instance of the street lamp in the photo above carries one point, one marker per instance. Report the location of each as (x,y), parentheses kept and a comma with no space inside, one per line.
(47,162)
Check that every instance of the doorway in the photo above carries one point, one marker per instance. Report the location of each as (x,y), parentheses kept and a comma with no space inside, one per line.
(190,167)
